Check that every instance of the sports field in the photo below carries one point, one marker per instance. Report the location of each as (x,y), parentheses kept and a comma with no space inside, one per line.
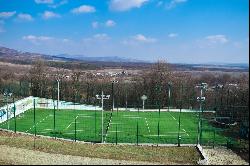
(119,126)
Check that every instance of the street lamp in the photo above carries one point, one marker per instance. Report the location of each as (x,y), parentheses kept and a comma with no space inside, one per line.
(7,94)
(201,99)
(144,97)
(58,90)
(102,97)
(169,94)
(113,98)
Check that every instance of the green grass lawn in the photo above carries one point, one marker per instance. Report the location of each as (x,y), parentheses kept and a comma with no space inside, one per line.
(120,127)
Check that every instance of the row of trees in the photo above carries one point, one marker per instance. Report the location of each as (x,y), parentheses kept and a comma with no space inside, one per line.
(226,94)
(155,83)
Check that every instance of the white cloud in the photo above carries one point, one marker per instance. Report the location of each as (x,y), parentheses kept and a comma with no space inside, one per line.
(95,24)
(138,39)
(160,3)
(142,38)
(221,39)
(62,2)
(5,15)
(124,5)
(110,23)
(83,9)
(49,14)
(65,40)
(45,40)
(174,3)
(173,35)
(24,17)
(101,36)
(37,38)
(44,1)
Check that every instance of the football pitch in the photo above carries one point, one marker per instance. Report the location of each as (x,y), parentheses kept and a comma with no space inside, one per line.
(119,126)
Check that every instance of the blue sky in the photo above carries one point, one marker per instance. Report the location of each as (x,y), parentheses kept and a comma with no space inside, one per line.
(178,31)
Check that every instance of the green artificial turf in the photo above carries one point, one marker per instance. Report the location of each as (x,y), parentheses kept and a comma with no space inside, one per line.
(119,126)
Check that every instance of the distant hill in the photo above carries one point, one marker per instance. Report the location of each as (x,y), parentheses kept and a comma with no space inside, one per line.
(8,53)
(101,59)
(87,62)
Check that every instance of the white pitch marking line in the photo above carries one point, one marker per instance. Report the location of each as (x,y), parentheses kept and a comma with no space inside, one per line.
(160,135)
(133,117)
(37,123)
(185,132)
(79,130)
(115,131)
(178,123)
(81,114)
(85,116)
(71,123)
(147,124)
(116,123)
(109,123)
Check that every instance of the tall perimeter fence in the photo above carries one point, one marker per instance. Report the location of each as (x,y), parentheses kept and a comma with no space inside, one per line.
(190,115)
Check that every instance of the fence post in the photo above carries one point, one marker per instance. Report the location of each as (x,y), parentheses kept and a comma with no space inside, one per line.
(34,102)
(34,121)
(179,127)
(95,125)
(214,139)
(158,133)
(14,114)
(54,120)
(116,135)
(75,129)
(137,134)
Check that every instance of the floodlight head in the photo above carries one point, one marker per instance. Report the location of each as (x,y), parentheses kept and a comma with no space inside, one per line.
(202,85)
(97,96)
(7,94)
(219,86)
(108,96)
(201,99)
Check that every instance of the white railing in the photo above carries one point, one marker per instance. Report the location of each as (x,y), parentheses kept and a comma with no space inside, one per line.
(27,103)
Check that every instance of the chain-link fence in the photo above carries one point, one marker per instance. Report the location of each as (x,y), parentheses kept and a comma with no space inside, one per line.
(185,115)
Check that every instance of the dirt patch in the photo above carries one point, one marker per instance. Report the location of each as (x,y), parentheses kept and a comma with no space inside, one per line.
(118,153)
(223,156)
(15,156)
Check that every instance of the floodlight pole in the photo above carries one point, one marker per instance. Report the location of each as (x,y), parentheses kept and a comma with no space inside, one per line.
(58,90)
(58,93)
(144,97)
(169,94)
(7,94)
(113,98)
(201,99)
(102,99)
